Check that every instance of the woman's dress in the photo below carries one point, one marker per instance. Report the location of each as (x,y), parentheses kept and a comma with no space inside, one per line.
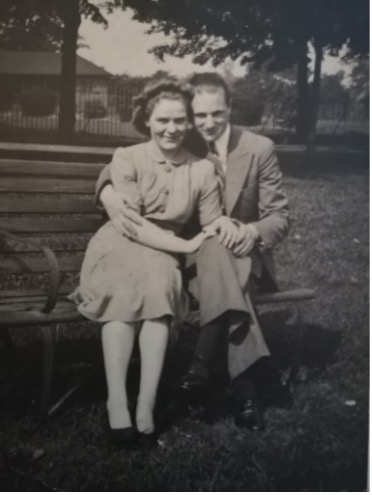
(125,281)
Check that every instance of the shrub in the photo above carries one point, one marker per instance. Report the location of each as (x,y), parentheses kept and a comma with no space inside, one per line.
(37,101)
(247,112)
(94,109)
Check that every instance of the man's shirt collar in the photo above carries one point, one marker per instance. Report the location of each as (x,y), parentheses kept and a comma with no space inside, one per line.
(222,146)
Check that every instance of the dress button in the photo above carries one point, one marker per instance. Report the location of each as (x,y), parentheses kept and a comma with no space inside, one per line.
(162,209)
(168,169)
(166,192)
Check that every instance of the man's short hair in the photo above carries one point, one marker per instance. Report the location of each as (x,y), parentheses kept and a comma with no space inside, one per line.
(210,81)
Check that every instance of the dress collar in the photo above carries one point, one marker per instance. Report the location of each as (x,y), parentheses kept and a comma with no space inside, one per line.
(157,155)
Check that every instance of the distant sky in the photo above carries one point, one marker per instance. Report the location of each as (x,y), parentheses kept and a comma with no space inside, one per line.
(123,48)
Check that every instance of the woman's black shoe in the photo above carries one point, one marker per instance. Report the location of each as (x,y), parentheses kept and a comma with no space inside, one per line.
(123,437)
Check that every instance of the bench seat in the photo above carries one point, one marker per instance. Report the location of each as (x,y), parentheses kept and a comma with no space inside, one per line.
(47,217)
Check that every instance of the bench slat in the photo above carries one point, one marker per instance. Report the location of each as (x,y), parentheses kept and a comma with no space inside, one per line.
(11,167)
(46,225)
(48,185)
(25,264)
(58,243)
(23,295)
(31,204)
(64,311)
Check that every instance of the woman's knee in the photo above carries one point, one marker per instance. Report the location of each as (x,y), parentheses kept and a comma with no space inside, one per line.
(211,249)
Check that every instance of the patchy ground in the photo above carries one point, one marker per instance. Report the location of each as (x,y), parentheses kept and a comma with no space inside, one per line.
(319,444)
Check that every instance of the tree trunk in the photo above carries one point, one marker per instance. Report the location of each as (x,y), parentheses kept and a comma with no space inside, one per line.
(71,18)
(302,124)
(315,94)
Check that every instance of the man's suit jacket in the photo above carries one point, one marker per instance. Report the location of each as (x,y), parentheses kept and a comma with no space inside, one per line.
(252,194)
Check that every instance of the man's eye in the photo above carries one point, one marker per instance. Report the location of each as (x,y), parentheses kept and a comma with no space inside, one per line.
(180,121)
(200,115)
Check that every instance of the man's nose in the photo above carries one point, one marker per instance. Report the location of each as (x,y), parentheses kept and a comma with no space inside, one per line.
(209,122)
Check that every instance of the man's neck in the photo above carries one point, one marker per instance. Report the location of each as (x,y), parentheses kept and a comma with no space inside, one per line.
(224,138)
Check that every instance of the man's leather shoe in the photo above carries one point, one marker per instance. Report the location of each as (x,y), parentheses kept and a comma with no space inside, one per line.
(248,414)
(198,376)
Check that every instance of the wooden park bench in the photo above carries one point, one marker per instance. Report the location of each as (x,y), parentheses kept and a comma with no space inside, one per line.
(47,217)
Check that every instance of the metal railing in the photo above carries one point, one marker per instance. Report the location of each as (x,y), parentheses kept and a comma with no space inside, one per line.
(107,114)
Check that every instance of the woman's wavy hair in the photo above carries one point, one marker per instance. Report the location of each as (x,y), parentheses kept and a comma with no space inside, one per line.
(165,88)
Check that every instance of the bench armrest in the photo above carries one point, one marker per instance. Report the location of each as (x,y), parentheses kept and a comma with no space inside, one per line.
(53,268)
(284,296)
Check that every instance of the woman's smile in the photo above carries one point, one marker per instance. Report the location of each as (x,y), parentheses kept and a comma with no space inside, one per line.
(168,124)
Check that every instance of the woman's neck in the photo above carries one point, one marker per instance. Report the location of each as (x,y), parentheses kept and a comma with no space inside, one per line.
(168,154)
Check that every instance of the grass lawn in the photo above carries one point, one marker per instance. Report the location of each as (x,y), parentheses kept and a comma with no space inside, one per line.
(319,444)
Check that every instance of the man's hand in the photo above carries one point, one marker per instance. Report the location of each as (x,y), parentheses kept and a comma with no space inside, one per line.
(249,235)
(228,232)
(121,211)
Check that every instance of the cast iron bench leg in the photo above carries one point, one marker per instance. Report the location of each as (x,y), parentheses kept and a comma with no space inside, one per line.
(9,354)
(49,339)
(297,355)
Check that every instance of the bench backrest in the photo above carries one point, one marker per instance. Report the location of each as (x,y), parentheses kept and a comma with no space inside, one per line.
(49,202)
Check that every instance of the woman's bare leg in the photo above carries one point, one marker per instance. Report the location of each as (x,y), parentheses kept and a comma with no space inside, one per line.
(153,342)
(117,344)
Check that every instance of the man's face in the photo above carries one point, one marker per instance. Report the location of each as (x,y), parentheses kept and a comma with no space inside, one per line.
(211,113)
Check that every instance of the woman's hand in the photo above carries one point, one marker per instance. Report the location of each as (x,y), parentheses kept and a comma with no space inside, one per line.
(121,211)
(228,232)
(195,243)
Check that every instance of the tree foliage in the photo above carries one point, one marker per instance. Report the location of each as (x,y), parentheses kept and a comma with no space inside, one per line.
(30,25)
(360,81)
(255,30)
(276,32)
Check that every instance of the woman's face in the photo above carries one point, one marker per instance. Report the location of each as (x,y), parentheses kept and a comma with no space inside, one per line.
(168,124)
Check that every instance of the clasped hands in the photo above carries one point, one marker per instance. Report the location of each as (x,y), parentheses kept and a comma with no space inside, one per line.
(238,237)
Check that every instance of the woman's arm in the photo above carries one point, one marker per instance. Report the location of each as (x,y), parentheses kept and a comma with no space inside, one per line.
(153,236)
(124,178)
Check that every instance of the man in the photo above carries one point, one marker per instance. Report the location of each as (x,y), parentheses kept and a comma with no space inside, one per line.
(231,265)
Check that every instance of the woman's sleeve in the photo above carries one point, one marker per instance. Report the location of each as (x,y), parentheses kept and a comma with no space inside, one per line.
(210,206)
(124,175)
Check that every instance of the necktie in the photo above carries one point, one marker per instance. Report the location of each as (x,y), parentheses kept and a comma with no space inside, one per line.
(215,159)
(212,148)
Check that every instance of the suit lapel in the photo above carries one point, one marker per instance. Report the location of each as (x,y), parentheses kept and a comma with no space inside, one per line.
(239,161)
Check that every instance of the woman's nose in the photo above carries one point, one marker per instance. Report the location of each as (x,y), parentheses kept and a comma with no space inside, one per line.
(171,127)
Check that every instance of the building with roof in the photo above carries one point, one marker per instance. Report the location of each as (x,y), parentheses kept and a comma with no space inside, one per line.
(21,70)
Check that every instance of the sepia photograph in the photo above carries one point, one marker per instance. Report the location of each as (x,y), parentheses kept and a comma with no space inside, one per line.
(184,245)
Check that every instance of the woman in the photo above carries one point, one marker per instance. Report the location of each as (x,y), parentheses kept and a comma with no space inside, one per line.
(135,284)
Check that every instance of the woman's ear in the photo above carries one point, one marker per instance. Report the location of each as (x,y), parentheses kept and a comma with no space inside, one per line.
(190,126)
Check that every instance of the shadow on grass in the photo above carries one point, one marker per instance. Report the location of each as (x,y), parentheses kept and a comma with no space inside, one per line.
(318,346)
(80,360)
(321,164)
